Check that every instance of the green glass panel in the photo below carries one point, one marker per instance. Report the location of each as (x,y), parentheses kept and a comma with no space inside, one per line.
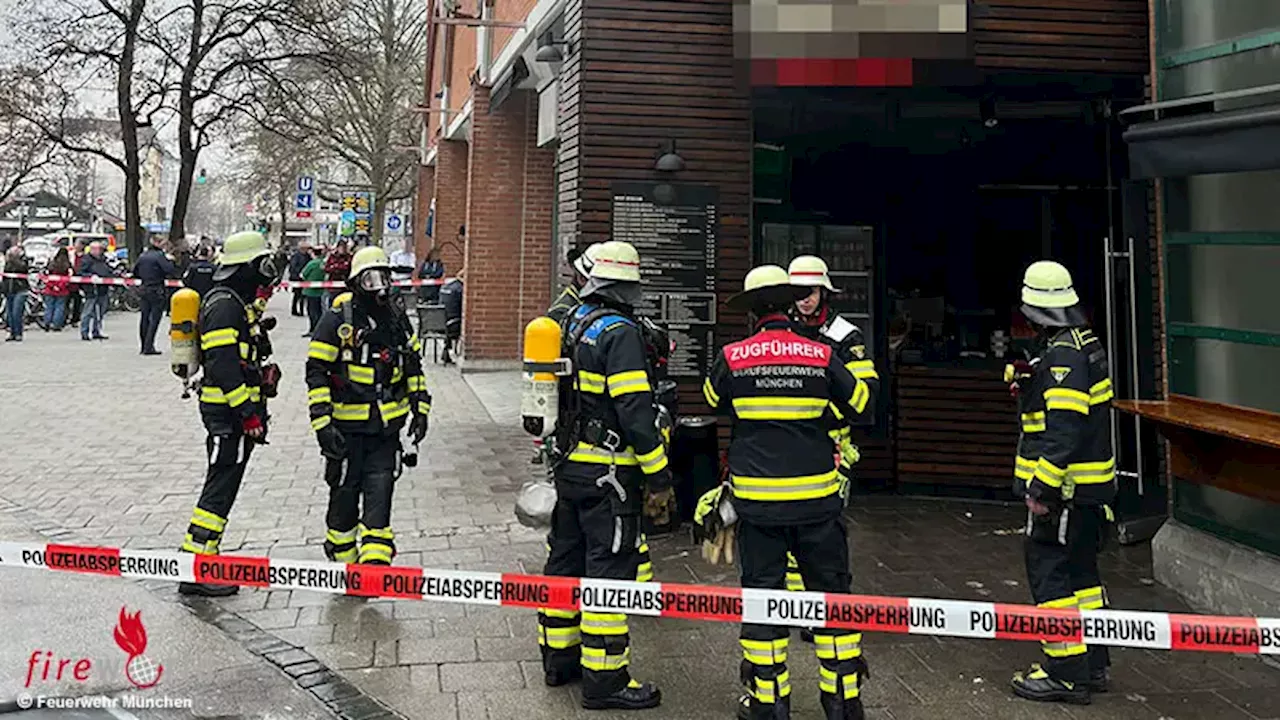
(1225,514)
(1228,286)
(1240,71)
(1235,373)
(1189,24)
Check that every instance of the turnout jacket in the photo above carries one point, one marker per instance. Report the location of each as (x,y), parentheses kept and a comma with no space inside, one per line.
(776,386)
(233,349)
(1064,451)
(846,340)
(564,305)
(613,388)
(364,371)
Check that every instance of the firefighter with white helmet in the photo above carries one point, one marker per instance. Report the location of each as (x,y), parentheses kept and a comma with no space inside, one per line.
(364,383)
(607,449)
(236,385)
(1065,471)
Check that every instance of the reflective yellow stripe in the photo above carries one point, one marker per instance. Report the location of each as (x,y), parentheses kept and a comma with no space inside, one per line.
(322,351)
(807,487)
(1024,468)
(244,351)
(838,647)
(1092,473)
(1066,399)
(708,392)
(417,383)
(362,374)
(207,520)
(598,660)
(424,408)
(863,369)
(394,409)
(1063,649)
(764,652)
(321,422)
(218,338)
(769,691)
(346,556)
(603,623)
(340,537)
(212,395)
(1033,422)
(415,344)
(589,382)
(779,408)
(1050,474)
(316,396)
(1101,392)
(861,395)
(559,638)
(1094,598)
(830,682)
(354,411)
(653,461)
(795,582)
(835,410)
(585,453)
(1066,602)
(624,383)
(209,547)
(238,397)
(396,375)
(644,573)
(562,614)
(370,553)
(376,533)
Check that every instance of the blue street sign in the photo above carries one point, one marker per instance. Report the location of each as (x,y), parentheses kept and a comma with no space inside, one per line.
(393,222)
(306,184)
(304,201)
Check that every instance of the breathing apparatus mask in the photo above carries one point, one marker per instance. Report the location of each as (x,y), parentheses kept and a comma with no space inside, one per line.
(375,282)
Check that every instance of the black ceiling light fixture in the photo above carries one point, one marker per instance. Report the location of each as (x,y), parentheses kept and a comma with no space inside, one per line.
(669,161)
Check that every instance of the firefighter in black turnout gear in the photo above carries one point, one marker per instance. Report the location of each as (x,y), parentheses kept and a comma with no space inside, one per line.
(1065,470)
(364,382)
(816,320)
(776,386)
(234,390)
(607,449)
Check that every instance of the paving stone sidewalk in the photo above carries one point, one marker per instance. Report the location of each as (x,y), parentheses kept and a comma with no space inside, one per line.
(95,437)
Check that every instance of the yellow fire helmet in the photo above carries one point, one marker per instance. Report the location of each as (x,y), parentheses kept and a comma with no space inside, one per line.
(243,247)
(767,285)
(368,258)
(615,260)
(1049,298)
(810,271)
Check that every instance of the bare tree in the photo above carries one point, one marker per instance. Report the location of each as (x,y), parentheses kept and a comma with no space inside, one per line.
(223,53)
(78,42)
(25,152)
(270,164)
(358,101)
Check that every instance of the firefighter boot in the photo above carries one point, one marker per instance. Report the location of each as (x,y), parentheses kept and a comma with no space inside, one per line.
(207,589)
(780,710)
(634,696)
(838,709)
(1038,685)
(1099,680)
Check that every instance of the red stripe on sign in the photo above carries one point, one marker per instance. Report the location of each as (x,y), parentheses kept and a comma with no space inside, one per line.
(74,558)
(385,581)
(868,612)
(1214,634)
(1022,622)
(700,602)
(536,591)
(232,570)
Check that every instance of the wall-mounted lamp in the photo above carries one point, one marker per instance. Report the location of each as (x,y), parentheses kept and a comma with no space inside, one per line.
(669,161)
(549,51)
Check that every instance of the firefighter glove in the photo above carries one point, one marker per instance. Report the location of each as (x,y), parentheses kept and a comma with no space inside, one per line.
(418,427)
(270,380)
(659,505)
(707,505)
(849,455)
(332,444)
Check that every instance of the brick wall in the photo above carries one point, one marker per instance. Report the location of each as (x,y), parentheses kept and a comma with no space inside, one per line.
(422,208)
(539,204)
(464,64)
(491,324)
(451,201)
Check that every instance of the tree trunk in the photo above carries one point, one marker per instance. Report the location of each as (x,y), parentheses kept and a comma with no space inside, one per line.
(188,148)
(129,131)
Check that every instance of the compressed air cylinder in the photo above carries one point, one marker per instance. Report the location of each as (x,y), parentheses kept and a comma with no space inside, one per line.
(539,402)
(184,353)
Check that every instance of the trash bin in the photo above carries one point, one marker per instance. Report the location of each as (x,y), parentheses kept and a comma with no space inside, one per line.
(695,461)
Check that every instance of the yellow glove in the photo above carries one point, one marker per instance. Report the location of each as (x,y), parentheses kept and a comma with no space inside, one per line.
(709,501)
(849,455)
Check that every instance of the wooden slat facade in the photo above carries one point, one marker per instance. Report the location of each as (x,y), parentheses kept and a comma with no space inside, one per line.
(1102,36)
(641,73)
(954,427)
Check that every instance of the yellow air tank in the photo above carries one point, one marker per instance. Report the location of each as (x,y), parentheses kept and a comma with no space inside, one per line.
(539,403)
(184,352)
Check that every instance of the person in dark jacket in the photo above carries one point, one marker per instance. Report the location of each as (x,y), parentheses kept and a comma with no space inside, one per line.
(431,269)
(94,264)
(301,256)
(15,291)
(238,381)
(451,298)
(337,266)
(784,477)
(199,275)
(1065,472)
(153,268)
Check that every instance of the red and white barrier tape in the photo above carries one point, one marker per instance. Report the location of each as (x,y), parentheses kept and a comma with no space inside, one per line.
(922,616)
(134,282)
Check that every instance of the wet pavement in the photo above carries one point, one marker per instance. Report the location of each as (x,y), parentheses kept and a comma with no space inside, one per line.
(98,444)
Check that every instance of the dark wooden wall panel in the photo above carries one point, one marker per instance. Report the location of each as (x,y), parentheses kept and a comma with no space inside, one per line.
(641,73)
(1107,36)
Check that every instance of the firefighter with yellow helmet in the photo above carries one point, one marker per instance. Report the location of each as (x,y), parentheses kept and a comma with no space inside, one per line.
(1065,471)
(236,384)
(364,383)
(607,449)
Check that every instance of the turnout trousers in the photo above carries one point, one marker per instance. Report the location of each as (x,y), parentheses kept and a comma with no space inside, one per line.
(821,553)
(360,490)
(228,457)
(1062,570)
(585,542)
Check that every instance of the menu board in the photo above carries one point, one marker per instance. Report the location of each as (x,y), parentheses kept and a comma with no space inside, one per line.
(673,227)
